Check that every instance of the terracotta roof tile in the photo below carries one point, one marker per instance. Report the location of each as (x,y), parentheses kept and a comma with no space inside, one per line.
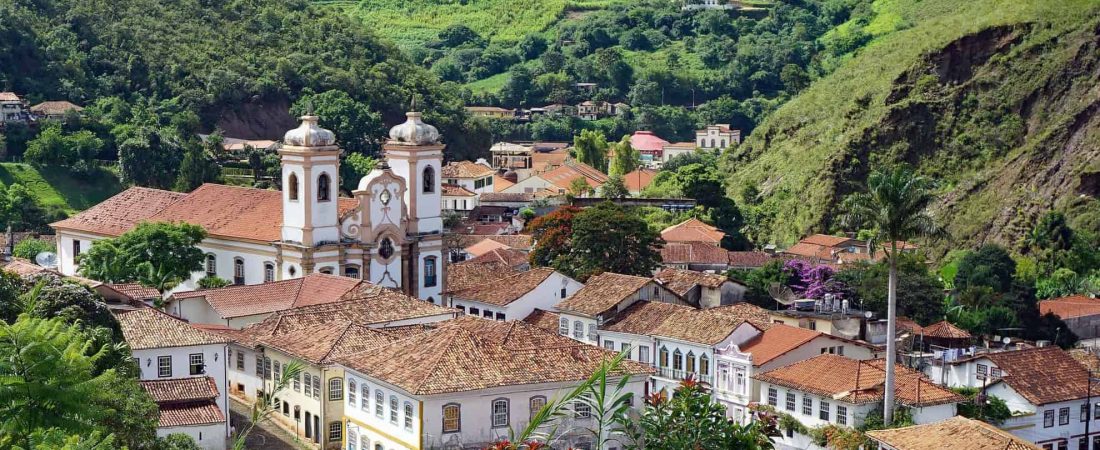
(508,256)
(506,197)
(857,382)
(504,291)
(187,414)
(637,180)
(702,326)
(544,162)
(468,354)
(643,317)
(181,390)
(454,190)
(24,268)
(500,183)
(1071,307)
(146,328)
(135,291)
(683,281)
(944,329)
(121,212)
(602,292)
(468,274)
(825,240)
(694,252)
(647,141)
(516,241)
(1086,357)
(777,341)
(319,343)
(483,247)
(1043,375)
(544,319)
(9,97)
(956,433)
(248,300)
(749,259)
(565,174)
(692,230)
(466,169)
(223,211)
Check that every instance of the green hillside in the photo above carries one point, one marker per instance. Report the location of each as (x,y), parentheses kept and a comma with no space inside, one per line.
(997,100)
(408,22)
(57,187)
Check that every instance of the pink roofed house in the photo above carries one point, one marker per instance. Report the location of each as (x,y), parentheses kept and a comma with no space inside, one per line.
(649,145)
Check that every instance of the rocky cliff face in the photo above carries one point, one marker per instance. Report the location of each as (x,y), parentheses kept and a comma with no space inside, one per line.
(1005,114)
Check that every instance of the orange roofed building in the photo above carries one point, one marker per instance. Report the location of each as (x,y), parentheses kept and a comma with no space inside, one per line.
(1080,313)
(390,233)
(693,230)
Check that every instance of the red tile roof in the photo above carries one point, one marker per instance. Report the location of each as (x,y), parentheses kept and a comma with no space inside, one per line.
(1043,375)
(1070,307)
(516,241)
(564,175)
(694,252)
(602,292)
(693,230)
(248,300)
(469,274)
(956,433)
(134,291)
(190,414)
(181,390)
(504,291)
(646,141)
(454,190)
(637,180)
(683,281)
(223,211)
(777,341)
(320,343)
(944,329)
(55,108)
(9,97)
(749,259)
(644,317)
(484,246)
(466,169)
(468,354)
(147,328)
(857,382)
(509,256)
(543,319)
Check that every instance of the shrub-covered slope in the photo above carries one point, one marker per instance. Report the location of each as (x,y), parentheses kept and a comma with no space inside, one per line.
(999,101)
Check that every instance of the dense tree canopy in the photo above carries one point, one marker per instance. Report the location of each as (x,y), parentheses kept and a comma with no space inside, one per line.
(156,254)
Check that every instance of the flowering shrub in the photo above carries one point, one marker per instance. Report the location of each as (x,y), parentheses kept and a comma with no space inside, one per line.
(814,281)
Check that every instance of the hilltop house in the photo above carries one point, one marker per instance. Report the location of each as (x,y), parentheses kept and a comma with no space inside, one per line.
(491,112)
(1080,313)
(13,109)
(390,233)
(54,110)
(476,177)
(649,146)
(717,137)
(693,230)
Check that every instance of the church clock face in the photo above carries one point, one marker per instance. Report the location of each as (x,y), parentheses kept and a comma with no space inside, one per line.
(384,197)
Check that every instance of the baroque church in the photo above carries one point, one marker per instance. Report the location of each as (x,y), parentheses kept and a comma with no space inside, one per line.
(389,233)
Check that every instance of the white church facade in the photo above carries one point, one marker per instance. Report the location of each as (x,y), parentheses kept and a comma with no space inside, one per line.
(389,233)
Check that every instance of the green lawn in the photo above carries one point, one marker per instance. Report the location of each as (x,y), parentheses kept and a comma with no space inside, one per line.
(491,84)
(55,186)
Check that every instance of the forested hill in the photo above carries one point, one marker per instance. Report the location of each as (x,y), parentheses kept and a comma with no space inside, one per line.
(238,63)
(999,101)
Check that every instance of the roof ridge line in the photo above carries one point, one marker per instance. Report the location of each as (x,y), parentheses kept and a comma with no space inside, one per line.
(336,341)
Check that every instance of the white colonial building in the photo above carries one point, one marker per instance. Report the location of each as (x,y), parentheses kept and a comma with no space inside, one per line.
(389,233)
(514,297)
(835,390)
(184,369)
(604,296)
(717,137)
(474,380)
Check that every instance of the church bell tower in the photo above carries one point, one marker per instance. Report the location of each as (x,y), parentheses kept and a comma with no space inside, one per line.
(311,170)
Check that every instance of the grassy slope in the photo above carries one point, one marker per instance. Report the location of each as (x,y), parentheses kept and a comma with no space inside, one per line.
(418,21)
(799,158)
(56,187)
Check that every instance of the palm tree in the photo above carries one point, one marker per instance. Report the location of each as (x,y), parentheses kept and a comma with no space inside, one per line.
(895,209)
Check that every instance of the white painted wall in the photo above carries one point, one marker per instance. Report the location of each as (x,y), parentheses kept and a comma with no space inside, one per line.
(66,261)
(209,437)
(545,296)
(214,359)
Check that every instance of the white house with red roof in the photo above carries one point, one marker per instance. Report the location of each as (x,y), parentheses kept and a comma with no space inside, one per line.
(717,137)
(389,233)
(514,297)
(184,369)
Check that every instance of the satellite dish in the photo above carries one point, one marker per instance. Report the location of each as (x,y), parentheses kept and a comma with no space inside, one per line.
(46,259)
(1007,340)
(782,294)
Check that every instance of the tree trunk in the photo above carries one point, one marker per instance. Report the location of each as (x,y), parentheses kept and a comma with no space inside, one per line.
(891,335)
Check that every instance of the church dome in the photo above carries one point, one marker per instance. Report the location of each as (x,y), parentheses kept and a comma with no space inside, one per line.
(414,132)
(309,134)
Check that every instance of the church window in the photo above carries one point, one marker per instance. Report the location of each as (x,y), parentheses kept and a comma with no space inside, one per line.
(385,248)
(292,270)
(429,180)
(351,271)
(269,272)
(324,188)
(238,271)
(211,266)
(292,186)
(429,272)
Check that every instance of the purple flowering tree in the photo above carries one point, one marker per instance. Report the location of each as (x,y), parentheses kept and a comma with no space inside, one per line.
(814,281)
